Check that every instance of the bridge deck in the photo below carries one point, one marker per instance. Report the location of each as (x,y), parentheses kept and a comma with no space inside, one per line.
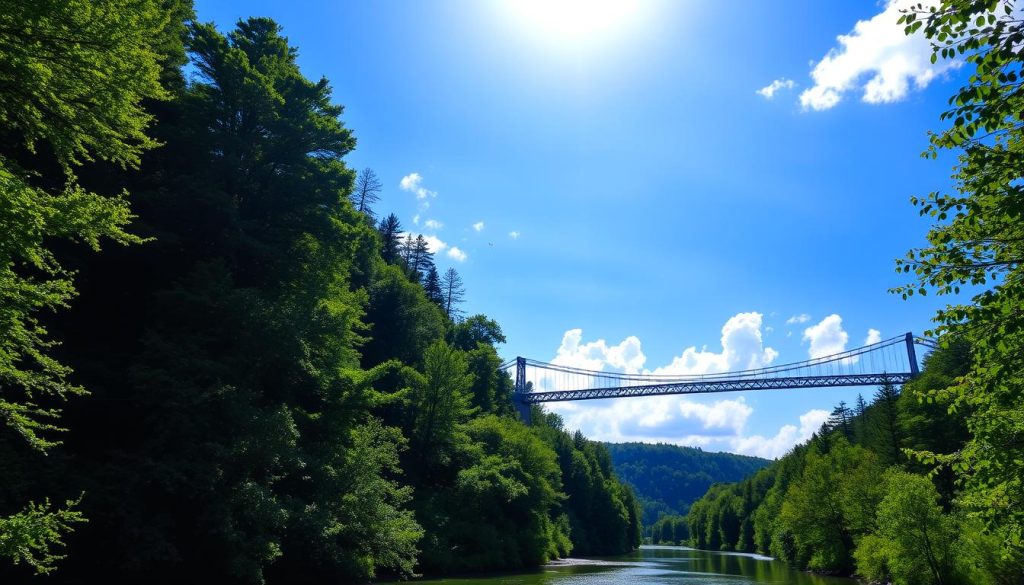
(706,387)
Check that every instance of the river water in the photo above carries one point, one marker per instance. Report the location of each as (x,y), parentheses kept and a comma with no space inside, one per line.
(657,565)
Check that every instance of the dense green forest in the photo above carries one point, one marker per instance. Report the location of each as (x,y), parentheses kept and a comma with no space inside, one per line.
(668,478)
(257,379)
(851,501)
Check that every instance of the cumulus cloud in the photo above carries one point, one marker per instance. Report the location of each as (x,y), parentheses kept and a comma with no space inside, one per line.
(874,336)
(479,226)
(768,91)
(433,224)
(679,420)
(627,355)
(801,318)
(719,424)
(416,219)
(787,437)
(876,60)
(742,349)
(513,235)
(668,419)
(456,254)
(413,183)
(827,337)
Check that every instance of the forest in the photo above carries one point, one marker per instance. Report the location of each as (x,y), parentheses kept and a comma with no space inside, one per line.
(669,478)
(220,360)
(861,497)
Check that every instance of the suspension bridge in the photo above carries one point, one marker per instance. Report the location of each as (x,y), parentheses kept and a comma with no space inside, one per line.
(890,361)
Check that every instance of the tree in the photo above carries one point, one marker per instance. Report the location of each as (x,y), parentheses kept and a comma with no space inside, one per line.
(839,420)
(466,334)
(432,285)
(419,258)
(979,242)
(884,433)
(914,542)
(390,230)
(439,402)
(453,293)
(72,90)
(367,192)
(831,504)
(860,420)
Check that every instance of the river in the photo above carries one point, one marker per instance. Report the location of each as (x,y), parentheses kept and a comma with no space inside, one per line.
(657,565)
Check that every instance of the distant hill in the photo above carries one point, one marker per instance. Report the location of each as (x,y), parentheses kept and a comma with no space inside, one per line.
(668,478)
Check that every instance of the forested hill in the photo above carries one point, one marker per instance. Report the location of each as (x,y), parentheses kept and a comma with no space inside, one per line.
(669,478)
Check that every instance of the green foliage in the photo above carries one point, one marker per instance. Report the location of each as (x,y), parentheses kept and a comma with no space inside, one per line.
(75,76)
(500,508)
(978,242)
(668,478)
(31,282)
(440,402)
(831,504)
(31,535)
(73,83)
(914,543)
(602,512)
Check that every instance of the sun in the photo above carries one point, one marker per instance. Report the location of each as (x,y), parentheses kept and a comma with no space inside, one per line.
(574,22)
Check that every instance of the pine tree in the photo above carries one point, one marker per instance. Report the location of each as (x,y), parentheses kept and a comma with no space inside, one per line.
(839,420)
(859,420)
(886,437)
(390,230)
(453,293)
(367,192)
(421,259)
(432,285)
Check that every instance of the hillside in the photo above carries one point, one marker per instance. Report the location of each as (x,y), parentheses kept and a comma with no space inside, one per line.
(669,478)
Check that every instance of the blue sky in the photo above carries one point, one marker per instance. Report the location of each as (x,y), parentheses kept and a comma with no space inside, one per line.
(650,173)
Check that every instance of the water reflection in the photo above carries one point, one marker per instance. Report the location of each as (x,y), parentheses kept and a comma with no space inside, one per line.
(658,565)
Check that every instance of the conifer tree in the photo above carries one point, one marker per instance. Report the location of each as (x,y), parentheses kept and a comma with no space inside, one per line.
(453,293)
(390,230)
(367,192)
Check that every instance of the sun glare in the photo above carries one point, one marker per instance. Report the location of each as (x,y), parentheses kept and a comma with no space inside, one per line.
(574,22)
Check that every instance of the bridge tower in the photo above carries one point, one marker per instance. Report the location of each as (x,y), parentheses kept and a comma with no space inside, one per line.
(519,395)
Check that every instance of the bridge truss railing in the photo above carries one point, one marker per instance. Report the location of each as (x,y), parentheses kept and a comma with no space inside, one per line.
(891,360)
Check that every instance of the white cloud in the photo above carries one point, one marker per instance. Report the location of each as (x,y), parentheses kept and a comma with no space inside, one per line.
(874,336)
(479,226)
(668,419)
(456,254)
(768,91)
(827,337)
(876,60)
(718,424)
(513,235)
(416,219)
(801,318)
(433,224)
(742,349)
(413,183)
(787,437)
(595,355)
